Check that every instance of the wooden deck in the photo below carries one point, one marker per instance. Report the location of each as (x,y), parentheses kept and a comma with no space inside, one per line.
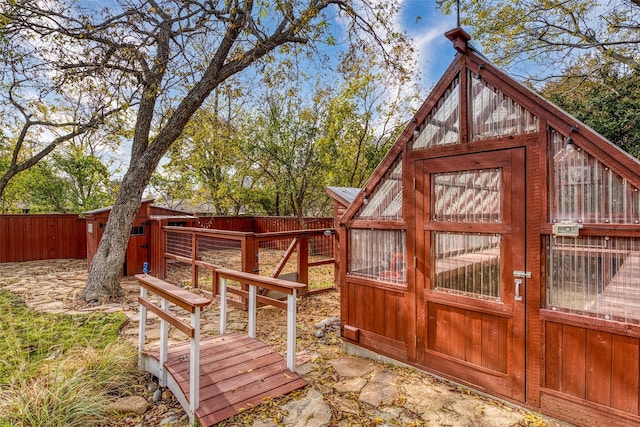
(236,373)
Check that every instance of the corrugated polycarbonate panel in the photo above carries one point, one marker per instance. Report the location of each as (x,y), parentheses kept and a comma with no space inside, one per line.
(493,114)
(385,202)
(467,264)
(582,189)
(468,196)
(595,276)
(442,125)
(378,254)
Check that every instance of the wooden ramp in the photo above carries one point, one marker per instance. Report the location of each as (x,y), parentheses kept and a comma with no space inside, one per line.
(236,373)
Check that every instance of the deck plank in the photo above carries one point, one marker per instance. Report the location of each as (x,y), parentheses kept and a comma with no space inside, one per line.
(236,373)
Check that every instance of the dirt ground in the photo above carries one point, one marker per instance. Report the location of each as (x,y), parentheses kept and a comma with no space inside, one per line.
(54,285)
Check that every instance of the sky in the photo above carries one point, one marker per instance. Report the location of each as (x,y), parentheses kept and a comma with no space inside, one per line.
(427,25)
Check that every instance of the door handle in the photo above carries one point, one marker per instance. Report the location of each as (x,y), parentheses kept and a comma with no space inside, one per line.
(518,296)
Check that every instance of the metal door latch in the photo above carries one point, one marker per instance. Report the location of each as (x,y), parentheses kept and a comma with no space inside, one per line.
(518,296)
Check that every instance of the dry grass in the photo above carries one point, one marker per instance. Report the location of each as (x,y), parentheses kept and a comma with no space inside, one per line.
(72,391)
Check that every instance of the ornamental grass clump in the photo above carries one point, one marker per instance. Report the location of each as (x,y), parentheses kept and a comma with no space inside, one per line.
(72,391)
(61,370)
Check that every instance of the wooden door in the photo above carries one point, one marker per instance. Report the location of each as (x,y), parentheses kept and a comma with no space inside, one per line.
(470,250)
(138,248)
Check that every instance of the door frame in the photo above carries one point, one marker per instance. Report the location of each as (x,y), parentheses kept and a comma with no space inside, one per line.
(511,382)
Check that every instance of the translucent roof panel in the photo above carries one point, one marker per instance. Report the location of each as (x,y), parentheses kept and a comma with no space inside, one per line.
(493,114)
(385,202)
(442,125)
(583,189)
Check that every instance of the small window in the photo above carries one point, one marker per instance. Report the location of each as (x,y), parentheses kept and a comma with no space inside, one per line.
(137,230)
(378,255)
(594,276)
(467,264)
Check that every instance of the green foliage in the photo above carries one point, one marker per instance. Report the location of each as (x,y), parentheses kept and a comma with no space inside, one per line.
(36,190)
(87,179)
(27,338)
(61,370)
(277,153)
(71,181)
(605,99)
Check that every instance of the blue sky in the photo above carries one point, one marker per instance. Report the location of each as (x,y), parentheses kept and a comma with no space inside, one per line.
(435,51)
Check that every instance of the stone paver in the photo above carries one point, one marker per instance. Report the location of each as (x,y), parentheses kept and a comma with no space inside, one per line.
(376,394)
(352,367)
(350,385)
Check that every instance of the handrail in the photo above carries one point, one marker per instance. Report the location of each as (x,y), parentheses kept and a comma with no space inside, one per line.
(186,300)
(188,249)
(255,281)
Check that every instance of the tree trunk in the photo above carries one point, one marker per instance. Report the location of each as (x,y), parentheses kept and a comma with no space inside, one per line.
(105,271)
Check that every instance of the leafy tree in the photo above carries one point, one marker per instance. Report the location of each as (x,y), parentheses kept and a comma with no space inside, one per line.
(41,105)
(38,189)
(363,120)
(164,58)
(606,99)
(207,157)
(515,33)
(282,144)
(87,179)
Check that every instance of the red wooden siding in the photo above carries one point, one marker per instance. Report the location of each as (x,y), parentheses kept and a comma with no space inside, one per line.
(592,365)
(380,318)
(38,237)
(478,338)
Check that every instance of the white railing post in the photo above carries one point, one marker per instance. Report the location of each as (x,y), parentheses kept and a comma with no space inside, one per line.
(194,366)
(142,324)
(252,310)
(164,343)
(291,331)
(223,306)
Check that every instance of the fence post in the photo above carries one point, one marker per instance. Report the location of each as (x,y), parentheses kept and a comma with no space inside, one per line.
(291,331)
(194,258)
(303,259)
(158,248)
(223,305)
(142,324)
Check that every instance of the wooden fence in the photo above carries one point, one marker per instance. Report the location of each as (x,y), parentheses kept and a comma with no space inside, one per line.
(26,237)
(261,224)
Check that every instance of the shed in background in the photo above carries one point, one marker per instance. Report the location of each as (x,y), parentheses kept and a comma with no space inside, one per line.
(138,249)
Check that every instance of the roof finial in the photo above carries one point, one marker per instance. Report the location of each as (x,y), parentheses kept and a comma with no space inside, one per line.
(457,13)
